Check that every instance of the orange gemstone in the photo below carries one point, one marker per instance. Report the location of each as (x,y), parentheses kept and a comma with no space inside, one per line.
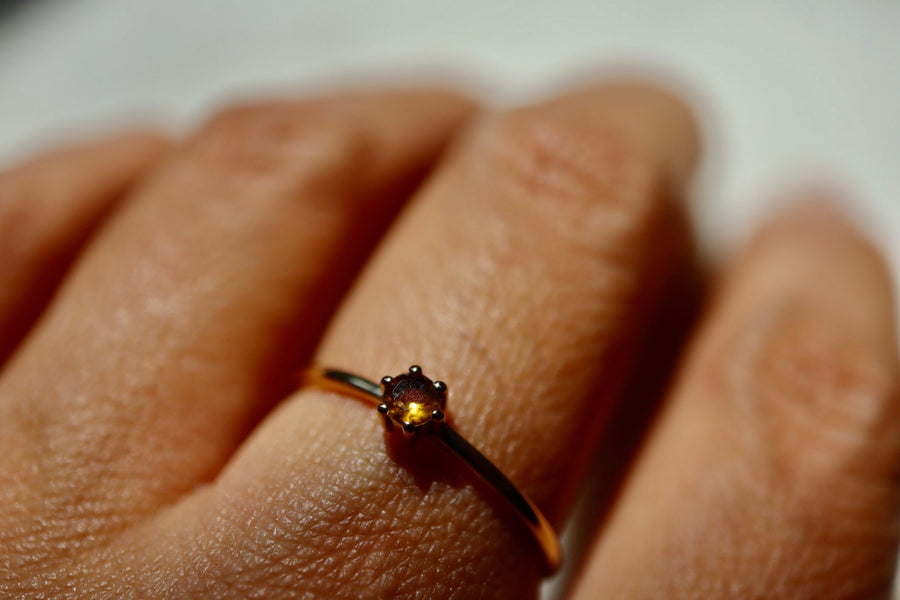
(412,398)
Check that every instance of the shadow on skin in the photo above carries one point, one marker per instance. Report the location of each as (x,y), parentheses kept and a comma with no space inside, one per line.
(423,461)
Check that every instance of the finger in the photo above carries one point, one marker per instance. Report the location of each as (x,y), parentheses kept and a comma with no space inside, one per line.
(185,317)
(48,208)
(773,473)
(516,276)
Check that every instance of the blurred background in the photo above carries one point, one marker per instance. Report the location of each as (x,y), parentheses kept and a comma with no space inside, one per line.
(786,91)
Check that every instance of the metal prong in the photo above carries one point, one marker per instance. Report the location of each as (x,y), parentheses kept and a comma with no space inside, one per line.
(437,415)
(408,427)
(383,408)
(415,369)
(440,386)
(386,379)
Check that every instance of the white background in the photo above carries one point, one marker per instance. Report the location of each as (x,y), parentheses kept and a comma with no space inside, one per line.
(785,89)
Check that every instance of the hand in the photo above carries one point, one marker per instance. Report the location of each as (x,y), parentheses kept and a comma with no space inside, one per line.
(143,452)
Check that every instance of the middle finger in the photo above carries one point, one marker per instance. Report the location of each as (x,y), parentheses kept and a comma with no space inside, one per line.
(160,349)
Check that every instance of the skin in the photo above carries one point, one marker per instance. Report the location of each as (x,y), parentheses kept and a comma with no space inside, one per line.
(154,444)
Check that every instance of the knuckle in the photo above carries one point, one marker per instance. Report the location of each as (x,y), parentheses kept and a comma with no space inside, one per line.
(590,184)
(283,141)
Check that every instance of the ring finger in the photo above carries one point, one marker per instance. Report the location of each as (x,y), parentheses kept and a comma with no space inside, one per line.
(518,275)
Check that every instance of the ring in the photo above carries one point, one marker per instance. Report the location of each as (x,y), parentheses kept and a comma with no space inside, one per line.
(415,404)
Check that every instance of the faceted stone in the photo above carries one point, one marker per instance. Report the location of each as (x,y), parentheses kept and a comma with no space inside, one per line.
(412,398)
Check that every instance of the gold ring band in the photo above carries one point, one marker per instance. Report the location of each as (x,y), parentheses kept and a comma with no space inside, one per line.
(416,404)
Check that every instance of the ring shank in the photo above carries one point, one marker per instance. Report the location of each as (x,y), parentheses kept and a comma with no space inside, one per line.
(369,391)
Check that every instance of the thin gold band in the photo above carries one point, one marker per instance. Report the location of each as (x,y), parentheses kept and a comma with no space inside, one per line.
(360,387)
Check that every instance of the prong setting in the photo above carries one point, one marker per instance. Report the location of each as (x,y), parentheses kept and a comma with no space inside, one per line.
(411,400)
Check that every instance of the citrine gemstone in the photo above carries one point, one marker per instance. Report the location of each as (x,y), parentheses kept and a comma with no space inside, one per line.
(412,398)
